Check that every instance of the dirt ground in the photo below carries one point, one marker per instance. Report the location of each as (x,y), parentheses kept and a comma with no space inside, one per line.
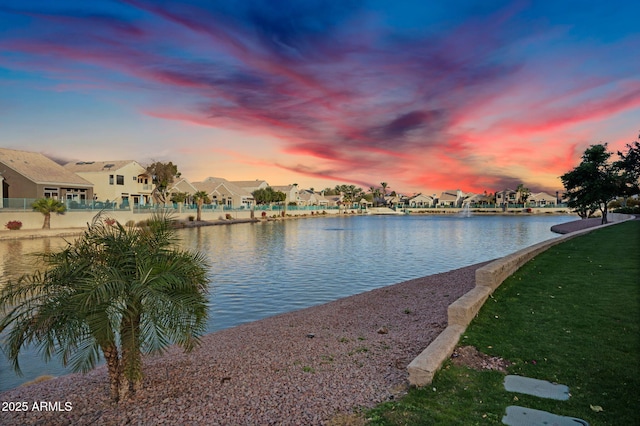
(469,356)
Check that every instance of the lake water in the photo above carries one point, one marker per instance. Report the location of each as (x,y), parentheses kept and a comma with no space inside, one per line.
(263,269)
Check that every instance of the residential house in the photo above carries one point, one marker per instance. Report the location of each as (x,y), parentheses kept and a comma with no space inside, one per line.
(420,201)
(364,203)
(542,199)
(451,198)
(507,196)
(31,175)
(291,191)
(251,185)
(478,199)
(335,200)
(182,185)
(307,197)
(224,193)
(394,201)
(123,182)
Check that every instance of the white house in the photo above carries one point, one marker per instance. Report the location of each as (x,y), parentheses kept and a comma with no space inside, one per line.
(420,201)
(124,182)
(251,185)
(451,198)
(224,193)
(291,191)
(542,199)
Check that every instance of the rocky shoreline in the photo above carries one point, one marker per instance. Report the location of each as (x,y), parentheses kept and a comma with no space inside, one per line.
(302,367)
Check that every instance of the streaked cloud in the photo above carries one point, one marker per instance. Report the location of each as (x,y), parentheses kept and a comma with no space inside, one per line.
(476,98)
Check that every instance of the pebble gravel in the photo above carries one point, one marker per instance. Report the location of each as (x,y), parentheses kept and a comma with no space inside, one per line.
(300,368)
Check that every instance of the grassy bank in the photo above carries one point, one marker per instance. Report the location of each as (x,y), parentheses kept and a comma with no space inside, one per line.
(570,316)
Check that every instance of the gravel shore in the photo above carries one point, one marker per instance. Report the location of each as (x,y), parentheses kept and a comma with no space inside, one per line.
(576,225)
(300,368)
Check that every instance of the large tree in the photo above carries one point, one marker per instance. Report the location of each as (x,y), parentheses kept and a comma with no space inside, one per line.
(46,206)
(116,291)
(162,175)
(593,183)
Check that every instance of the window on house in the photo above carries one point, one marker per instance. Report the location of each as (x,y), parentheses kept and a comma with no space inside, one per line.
(119,180)
(51,193)
(110,179)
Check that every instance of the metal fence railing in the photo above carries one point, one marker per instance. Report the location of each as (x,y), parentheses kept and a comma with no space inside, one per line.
(21,204)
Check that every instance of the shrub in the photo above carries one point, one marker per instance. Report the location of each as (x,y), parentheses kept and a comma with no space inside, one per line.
(130,223)
(228,216)
(628,210)
(13,225)
(191,218)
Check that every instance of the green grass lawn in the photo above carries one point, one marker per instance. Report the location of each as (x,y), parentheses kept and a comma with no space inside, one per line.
(571,316)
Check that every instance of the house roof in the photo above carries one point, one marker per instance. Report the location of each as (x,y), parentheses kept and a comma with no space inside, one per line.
(421,197)
(542,196)
(98,166)
(249,183)
(40,169)
(210,184)
(283,188)
(478,197)
(183,185)
(449,195)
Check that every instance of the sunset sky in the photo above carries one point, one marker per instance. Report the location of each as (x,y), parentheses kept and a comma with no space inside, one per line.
(426,96)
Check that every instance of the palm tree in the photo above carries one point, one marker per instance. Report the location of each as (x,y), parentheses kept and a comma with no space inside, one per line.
(384,186)
(116,291)
(523,193)
(46,206)
(374,192)
(201,197)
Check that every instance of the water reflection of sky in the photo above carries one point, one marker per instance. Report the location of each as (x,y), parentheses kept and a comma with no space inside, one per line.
(259,270)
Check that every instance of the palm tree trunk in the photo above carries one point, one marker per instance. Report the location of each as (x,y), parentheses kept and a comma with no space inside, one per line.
(47,221)
(131,356)
(114,369)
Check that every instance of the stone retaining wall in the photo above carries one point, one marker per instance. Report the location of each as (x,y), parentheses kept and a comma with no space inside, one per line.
(463,310)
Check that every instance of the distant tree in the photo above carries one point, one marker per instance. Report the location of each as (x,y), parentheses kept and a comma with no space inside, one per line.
(524,193)
(350,194)
(268,195)
(384,186)
(201,197)
(628,169)
(162,175)
(593,183)
(116,291)
(46,206)
(179,197)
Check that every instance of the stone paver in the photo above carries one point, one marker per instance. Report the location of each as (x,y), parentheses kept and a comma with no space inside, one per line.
(536,387)
(521,416)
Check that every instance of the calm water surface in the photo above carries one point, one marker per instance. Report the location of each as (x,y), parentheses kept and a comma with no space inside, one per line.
(259,270)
